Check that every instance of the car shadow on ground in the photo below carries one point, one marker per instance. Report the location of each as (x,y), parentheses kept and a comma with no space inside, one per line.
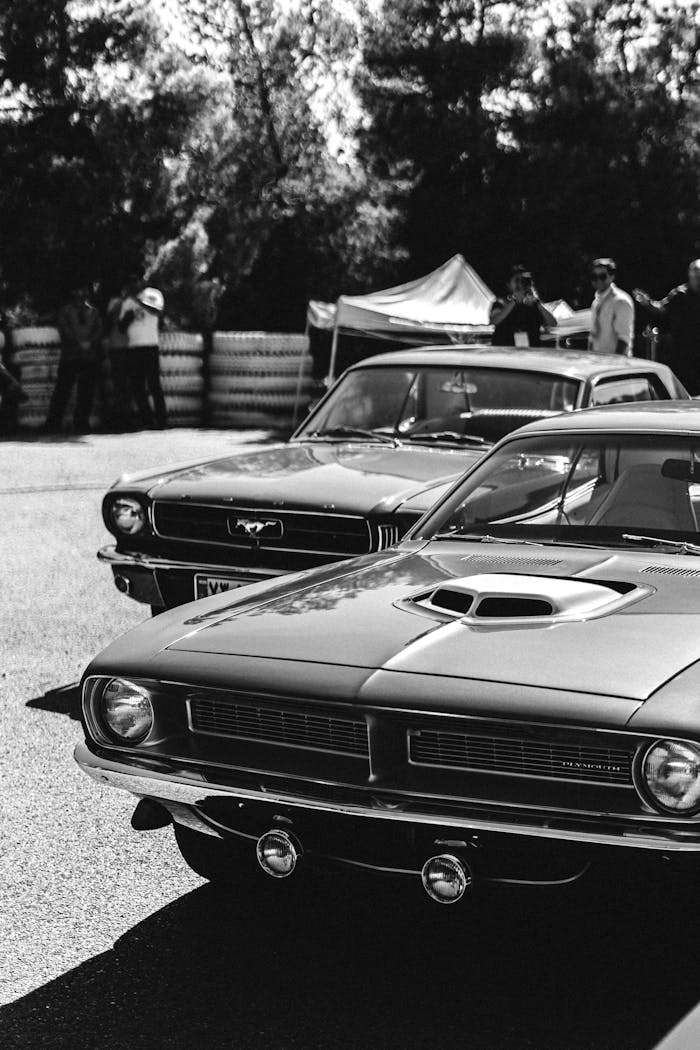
(347,963)
(63,701)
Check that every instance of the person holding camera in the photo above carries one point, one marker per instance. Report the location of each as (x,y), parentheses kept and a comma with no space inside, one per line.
(679,312)
(518,319)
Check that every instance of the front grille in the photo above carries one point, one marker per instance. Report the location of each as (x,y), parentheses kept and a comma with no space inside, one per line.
(289,727)
(530,758)
(282,530)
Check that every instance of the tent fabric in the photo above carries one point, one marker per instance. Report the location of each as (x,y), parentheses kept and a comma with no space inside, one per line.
(320,314)
(577,323)
(452,298)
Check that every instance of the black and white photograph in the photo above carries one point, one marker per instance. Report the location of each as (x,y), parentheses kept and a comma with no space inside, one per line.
(349,525)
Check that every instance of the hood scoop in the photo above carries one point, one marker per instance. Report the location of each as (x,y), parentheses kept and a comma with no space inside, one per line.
(510,599)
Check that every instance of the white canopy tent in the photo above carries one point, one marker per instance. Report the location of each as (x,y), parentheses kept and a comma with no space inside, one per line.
(450,303)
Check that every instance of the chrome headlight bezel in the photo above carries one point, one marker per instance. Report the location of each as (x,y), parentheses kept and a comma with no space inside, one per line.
(652,798)
(127,505)
(101,727)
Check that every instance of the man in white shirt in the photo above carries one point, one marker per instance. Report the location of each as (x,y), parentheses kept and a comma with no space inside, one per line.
(140,320)
(612,325)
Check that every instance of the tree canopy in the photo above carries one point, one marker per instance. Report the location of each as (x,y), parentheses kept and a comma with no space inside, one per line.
(249,154)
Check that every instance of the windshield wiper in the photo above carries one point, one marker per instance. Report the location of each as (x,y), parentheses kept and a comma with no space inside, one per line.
(448,435)
(679,546)
(480,537)
(353,432)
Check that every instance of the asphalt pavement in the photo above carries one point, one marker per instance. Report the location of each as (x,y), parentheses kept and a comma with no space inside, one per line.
(107,940)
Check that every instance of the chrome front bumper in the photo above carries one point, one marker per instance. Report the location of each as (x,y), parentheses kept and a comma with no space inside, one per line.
(141,572)
(183,792)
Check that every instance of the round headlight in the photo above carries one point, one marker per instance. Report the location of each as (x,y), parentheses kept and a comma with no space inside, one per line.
(671,772)
(126,711)
(127,515)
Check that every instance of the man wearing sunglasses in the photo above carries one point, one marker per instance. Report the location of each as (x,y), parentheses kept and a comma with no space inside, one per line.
(612,324)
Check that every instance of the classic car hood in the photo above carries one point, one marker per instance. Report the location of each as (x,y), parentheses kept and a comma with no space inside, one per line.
(365,616)
(346,477)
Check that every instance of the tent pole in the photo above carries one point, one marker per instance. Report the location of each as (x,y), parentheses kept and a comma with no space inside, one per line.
(334,353)
(300,375)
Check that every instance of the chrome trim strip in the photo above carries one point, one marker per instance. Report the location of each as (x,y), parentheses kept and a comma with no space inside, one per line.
(111,556)
(262,546)
(186,791)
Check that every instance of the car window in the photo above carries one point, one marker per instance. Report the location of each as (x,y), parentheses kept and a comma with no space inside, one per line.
(609,484)
(368,398)
(618,390)
(482,402)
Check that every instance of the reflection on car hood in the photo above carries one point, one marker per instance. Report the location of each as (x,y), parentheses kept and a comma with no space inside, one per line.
(345,477)
(362,616)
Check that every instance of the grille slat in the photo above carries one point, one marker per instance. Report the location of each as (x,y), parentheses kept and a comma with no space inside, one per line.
(533,758)
(310,532)
(228,716)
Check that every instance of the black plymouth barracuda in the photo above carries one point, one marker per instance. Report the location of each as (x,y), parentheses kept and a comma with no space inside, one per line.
(511,694)
(388,439)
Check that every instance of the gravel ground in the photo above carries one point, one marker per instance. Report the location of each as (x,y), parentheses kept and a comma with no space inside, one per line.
(108,941)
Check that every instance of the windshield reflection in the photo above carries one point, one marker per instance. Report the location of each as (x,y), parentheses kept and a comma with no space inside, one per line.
(591,488)
(436,403)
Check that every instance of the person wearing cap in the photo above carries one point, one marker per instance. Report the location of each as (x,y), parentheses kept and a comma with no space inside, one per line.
(518,319)
(140,319)
(612,312)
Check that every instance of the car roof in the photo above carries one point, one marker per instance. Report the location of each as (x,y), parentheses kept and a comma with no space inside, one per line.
(633,416)
(570,364)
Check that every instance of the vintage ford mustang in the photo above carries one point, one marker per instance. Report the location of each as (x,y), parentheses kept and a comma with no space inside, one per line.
(511,694)
(388,439)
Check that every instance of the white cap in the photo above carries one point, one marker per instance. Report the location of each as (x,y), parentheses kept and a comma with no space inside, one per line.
(152,298)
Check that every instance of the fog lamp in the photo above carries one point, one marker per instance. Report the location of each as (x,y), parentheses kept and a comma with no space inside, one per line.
(446,878)
(127,515)
(126,711)
(277,854)
(671,772)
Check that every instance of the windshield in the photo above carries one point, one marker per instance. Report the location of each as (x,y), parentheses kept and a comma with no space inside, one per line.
(417,403)
(586,488)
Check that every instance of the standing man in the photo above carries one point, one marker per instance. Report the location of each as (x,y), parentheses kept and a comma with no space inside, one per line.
(612,325)
(117,342)
(80,328)
(681,312)
(519,318)
(140,319)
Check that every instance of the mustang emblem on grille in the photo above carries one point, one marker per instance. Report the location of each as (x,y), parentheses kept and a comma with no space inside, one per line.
(256,528)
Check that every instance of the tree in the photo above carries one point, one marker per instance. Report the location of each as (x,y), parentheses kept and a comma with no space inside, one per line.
(95,106)
(439,83)
(279,209)
(609,152)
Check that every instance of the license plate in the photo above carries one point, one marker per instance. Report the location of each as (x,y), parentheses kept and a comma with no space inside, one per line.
(206,586)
